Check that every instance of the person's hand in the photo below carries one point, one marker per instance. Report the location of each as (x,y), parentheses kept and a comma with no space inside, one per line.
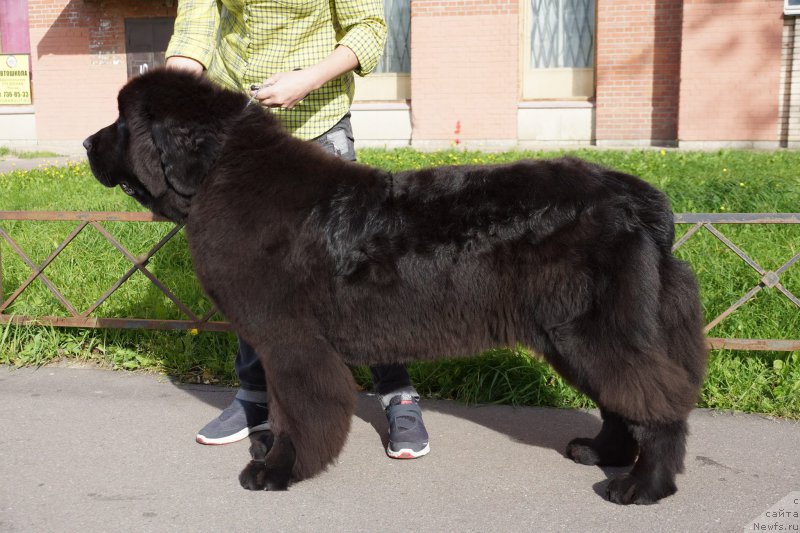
(185,63)
(286,89)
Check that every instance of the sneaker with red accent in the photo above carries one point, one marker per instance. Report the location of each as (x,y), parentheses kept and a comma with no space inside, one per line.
(408,438)
(235,423)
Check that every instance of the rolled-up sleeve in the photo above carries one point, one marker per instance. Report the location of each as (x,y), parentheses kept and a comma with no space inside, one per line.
(363,31)
(195,32)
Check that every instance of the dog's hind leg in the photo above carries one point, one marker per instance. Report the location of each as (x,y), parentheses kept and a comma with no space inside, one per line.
(311,402)
(645,399)
(644,392)
(662,441)
(613,446)
(662,449)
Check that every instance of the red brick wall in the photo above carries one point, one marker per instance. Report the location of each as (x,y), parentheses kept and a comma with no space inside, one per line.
(638,68)
(464,65)
(465,68)
(731,70)
(464,7)
(78,52)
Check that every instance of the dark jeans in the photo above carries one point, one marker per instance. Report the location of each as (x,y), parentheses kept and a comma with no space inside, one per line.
(386,378)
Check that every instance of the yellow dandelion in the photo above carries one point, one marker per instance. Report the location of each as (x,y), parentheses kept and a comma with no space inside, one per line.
(193,331)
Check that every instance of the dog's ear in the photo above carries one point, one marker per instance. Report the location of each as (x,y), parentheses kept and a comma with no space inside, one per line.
(186,151)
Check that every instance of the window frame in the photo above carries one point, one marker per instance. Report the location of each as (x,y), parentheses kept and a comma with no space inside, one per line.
(564,83)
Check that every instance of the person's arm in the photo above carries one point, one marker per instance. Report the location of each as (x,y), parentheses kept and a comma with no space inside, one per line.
(359,49)
(194,37)
(363,30)
(185,63)
(285,89)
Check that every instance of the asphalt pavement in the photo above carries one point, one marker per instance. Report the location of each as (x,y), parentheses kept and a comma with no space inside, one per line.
(87,449)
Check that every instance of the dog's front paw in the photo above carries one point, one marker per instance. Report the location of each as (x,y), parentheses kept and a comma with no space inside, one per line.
(628,489)
(256,476)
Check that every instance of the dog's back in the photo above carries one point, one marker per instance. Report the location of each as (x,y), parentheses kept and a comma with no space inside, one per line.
(459,259)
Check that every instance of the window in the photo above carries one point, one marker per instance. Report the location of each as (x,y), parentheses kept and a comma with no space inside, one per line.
(146,43)
(559,49)
(397,54)
(390,80)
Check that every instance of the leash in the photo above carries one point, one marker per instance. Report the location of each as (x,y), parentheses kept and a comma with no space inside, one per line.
(254,88)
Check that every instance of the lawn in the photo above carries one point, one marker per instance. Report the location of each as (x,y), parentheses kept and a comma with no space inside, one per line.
(6,152)
(719,182)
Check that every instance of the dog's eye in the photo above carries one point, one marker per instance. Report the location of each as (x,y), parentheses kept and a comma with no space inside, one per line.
(127,189)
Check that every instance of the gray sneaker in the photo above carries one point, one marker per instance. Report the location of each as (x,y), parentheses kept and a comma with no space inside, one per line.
(235,423)
(408,438)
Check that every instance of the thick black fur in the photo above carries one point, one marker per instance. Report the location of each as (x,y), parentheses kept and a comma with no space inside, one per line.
(320,263)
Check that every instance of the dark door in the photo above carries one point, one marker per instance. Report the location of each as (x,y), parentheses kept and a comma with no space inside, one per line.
(146,42)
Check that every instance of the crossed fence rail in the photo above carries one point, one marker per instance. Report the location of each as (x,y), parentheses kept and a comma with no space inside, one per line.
(699,222)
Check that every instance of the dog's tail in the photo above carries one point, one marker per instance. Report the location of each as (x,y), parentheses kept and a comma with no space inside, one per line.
(681,318)
(680,311)
(653,209)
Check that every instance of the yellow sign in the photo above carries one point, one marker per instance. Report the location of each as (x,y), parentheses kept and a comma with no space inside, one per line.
(15,79)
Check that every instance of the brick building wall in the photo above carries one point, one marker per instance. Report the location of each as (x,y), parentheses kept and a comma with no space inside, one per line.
(637,73)
(693,71)
(464,65)
(731,71)
(78,62)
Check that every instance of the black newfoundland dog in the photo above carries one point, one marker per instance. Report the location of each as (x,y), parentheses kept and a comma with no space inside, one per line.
(320,263)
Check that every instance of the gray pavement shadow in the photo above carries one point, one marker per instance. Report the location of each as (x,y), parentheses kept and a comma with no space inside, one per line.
(535,426)
(541,427)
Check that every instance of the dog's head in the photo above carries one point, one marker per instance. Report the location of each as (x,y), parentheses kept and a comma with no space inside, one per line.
(169,133)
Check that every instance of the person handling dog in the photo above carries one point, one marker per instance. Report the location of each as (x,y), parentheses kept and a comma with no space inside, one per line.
(296,58)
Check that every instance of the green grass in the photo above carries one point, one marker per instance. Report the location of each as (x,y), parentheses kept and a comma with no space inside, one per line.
(35,154)
(725,181)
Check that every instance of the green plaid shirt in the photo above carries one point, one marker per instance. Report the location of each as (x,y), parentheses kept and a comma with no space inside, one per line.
(242,42)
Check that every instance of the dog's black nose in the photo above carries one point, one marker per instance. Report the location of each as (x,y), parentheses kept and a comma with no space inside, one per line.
(87,143)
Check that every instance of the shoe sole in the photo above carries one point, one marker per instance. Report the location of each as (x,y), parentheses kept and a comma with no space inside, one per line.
(408,453)
(229,439)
